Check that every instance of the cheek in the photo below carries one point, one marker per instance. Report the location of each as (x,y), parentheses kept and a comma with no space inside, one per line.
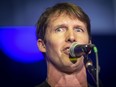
(86,39)
(55,41)
(83,39)
(52,52)
(53,46)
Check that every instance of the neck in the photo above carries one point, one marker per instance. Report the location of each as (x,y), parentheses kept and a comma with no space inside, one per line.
(57,78)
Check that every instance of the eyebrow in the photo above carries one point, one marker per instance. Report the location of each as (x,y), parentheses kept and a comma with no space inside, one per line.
(64,25)
(78,26)
(61,25)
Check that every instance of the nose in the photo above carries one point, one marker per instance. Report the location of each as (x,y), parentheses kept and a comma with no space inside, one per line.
(70,37)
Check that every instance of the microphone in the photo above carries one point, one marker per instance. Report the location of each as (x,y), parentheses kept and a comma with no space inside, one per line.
(77,50)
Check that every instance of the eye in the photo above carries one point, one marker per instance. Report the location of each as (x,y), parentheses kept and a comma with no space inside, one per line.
(79,30)
(60,29)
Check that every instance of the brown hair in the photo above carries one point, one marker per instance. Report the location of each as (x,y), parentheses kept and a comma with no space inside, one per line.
(68,8)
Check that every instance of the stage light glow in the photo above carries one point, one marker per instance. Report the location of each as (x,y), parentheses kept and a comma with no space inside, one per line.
(19,43)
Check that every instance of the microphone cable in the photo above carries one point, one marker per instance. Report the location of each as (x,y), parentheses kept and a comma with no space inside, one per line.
(97,65)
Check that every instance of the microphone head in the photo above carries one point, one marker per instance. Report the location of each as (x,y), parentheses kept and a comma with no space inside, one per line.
(77,50)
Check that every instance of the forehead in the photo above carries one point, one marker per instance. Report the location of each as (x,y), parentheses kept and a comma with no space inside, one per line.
(56,15)
(59,18)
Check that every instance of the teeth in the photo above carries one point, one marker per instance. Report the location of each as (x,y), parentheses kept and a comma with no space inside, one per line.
(66,51)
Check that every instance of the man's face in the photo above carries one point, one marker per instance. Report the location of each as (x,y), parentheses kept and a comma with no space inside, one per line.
(61,32)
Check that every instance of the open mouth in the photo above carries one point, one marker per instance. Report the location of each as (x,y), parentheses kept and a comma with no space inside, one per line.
(67,52)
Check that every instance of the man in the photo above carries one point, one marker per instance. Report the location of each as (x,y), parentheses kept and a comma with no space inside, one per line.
(57,28)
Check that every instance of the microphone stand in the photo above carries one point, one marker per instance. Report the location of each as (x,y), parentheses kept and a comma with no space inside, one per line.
(94,72)
(89,65)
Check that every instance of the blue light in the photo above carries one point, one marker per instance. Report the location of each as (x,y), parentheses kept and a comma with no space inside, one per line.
(19,43)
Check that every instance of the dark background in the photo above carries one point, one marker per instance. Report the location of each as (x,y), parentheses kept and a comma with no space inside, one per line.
(26,12)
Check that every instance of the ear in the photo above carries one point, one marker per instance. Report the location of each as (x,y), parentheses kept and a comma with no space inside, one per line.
(41,45)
